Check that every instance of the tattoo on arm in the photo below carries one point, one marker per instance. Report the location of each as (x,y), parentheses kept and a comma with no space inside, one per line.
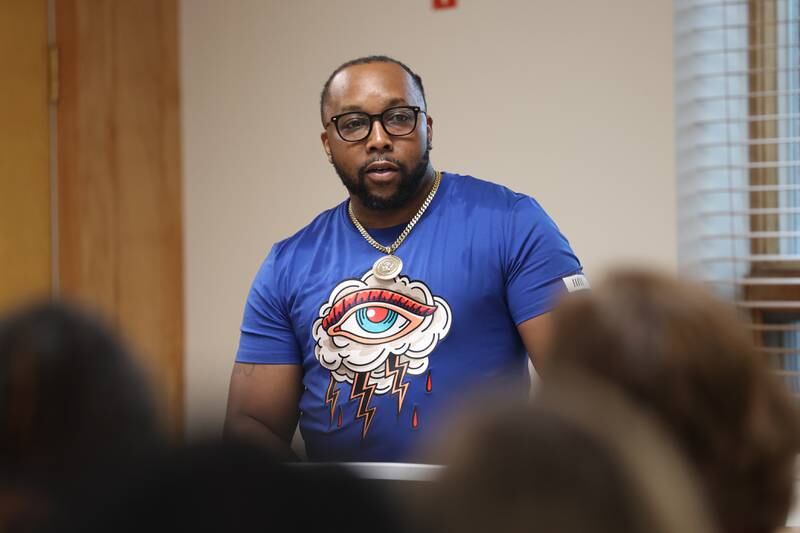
(244,369)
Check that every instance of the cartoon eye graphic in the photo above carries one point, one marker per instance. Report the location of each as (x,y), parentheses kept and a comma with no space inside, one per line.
(375,316)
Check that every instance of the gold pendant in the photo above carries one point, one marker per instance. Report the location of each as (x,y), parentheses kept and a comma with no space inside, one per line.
(387,267)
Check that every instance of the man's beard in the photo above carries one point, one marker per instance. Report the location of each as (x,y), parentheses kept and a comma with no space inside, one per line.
(406,189)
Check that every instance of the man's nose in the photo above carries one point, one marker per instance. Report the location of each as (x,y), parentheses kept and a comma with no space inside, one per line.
(378,140)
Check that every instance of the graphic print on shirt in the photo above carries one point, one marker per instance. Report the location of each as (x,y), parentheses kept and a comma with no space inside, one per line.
(371,333)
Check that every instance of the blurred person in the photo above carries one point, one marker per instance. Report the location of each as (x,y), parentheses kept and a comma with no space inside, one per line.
(679,352)
(422,285)
(579,459)
(72,401)
(231,486)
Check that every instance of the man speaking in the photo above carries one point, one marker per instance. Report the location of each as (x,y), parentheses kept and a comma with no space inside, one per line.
(373,323)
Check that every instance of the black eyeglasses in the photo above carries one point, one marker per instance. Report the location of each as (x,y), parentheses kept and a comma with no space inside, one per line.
(356,126)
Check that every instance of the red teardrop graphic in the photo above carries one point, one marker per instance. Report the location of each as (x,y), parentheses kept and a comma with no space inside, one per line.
(339,422)
(414,419)
(428,386)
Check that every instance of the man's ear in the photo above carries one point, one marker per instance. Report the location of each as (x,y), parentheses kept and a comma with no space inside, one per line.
(429,122)
(326,146)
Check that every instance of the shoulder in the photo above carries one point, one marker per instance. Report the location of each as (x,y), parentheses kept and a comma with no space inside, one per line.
(285,254)
(312,232)
(486,193)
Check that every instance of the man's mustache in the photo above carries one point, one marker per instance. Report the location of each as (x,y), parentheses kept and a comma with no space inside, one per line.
(363,170)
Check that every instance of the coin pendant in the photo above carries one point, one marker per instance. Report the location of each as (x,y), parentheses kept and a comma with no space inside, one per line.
(387,267)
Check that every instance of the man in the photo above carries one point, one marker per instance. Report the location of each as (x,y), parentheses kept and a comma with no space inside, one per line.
(371,323)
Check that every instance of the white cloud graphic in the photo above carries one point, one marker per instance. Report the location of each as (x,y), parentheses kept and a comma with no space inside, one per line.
(345,357)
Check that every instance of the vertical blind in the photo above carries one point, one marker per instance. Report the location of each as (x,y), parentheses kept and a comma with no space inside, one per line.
(737,68)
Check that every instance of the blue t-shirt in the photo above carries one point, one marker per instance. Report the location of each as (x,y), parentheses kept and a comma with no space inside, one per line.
(386,362)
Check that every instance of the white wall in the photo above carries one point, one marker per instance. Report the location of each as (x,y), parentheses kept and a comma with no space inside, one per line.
(570,102)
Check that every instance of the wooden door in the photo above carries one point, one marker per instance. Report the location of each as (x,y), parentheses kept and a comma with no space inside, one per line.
(25,221)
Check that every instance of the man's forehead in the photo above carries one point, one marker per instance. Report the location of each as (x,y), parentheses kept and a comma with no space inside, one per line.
(372,84)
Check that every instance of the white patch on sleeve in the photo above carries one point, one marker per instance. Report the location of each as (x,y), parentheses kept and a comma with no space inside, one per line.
(577,282)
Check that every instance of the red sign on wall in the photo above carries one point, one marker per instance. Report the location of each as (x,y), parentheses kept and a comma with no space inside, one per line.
(443,4)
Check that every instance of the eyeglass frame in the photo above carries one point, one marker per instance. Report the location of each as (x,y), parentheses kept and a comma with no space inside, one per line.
(372,118)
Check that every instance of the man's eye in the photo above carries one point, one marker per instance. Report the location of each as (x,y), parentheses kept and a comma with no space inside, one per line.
(399,118)
(353,124)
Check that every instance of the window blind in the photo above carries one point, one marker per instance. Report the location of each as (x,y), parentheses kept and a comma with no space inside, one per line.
(737,68)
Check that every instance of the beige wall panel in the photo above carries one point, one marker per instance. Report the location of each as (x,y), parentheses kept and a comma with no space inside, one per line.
(120,184)
(25,259)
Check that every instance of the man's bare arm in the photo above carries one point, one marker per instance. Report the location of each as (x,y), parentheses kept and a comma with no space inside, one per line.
(263,405)
(535,335)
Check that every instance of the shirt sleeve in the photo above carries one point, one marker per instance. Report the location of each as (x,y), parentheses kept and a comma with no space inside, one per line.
(267,336)
(538,259)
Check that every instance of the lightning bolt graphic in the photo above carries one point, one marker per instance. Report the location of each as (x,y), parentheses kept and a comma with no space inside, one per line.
(331,395)
(363,391)
(398,370)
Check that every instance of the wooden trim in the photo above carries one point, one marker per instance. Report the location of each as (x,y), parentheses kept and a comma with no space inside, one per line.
(120,197)
(763,63)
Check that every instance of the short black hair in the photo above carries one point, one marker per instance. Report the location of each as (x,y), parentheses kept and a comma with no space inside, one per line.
(323,97)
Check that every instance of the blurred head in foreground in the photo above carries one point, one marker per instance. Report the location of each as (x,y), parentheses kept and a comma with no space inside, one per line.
(683,355)
(578,459)
(71,399)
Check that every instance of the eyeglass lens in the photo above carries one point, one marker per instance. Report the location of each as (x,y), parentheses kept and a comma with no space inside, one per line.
(396,121)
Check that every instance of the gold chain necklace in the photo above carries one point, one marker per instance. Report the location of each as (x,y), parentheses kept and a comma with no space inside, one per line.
(388,267)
